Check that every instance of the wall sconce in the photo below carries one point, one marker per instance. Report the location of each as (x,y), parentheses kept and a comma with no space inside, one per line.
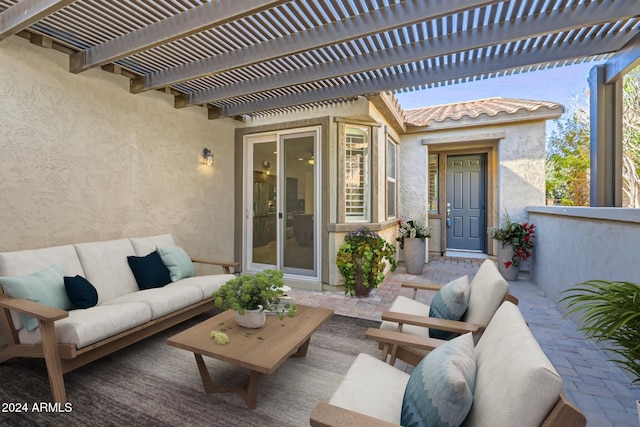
(208,156)
(312,160)
(266,167)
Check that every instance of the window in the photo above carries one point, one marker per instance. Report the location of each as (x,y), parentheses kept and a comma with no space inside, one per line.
(357,180)
(392,179)
(433,183)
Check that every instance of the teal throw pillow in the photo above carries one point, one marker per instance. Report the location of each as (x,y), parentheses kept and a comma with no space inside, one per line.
(45,287)
(178,263)
(149,271)
(440,389)
(450,303)
(81,292)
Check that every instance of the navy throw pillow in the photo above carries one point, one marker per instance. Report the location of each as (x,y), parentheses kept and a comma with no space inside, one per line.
(149,271)
(81,292)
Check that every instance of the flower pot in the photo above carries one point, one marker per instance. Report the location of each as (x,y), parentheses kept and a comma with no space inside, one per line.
(251,319)
(414,255)
(360,289)
(505,253)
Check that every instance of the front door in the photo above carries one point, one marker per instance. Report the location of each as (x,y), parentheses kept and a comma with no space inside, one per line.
(465,211)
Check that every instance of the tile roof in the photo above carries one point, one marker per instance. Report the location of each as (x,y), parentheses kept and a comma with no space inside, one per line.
(490,107)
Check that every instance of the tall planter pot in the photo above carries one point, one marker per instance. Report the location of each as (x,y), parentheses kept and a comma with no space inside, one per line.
(505,253)
(414,255)
(360,289)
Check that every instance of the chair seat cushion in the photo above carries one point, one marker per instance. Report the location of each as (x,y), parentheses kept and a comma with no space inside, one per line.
(440,389)
(208,284)
(163,300)
(408,306)
(372,387)
(450,303)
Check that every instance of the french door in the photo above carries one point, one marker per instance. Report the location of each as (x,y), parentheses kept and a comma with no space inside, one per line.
(282,201)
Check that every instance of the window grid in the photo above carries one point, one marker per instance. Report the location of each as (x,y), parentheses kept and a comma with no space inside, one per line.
(392,163)
(433,183)
(357,181)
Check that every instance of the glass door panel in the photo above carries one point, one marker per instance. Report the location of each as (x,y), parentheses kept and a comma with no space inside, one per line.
(298,204)
(264,209)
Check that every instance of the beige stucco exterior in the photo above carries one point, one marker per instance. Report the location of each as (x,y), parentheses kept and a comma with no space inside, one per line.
(82,159)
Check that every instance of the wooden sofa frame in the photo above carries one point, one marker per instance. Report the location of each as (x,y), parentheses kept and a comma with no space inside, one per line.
(63,358)
(396,351)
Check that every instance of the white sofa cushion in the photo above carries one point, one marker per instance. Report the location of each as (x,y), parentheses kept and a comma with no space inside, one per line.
(105,265)
(487,291)
(207,284)
(161,301)
(379,395)
(515,381)
(87,326)
(145,245)
(20,263)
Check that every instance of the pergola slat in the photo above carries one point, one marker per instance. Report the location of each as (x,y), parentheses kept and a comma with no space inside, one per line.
(27,12)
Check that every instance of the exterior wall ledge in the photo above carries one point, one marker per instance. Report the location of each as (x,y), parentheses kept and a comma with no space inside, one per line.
(597,213)
(346,227)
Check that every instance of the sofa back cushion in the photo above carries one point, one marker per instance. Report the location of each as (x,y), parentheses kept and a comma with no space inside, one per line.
(515,382)
(145,245)
(106,267)
(21,263)
(487,291)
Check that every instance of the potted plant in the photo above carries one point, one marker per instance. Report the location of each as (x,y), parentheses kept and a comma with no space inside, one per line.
(610,311)
(250,296)
(361,260)
(412,235)
(516,242)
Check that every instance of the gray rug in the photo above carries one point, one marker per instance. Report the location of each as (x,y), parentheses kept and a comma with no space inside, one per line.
(152,384)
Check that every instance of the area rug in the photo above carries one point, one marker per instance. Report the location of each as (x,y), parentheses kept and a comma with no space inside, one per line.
(153,384)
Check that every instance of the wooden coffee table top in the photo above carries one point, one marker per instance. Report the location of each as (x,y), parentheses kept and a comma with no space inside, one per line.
(262,350)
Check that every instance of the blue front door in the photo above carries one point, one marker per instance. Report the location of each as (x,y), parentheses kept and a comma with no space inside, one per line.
(465,219)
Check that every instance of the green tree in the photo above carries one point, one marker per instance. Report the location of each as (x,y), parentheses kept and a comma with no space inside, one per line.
(568,151)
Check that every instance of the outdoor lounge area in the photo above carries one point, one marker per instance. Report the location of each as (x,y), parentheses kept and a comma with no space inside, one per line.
(263,133)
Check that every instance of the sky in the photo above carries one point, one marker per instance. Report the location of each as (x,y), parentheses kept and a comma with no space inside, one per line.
(562,85)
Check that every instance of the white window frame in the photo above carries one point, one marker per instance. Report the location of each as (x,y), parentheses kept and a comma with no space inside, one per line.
(364,175)
(391,179)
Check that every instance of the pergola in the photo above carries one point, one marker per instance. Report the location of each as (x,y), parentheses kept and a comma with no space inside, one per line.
(256,57)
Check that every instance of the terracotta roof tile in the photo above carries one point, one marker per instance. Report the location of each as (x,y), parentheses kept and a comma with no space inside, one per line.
(472,109)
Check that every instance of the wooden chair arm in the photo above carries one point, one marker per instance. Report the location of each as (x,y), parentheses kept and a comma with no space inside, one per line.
(432,322)
(224,264)
(33,309)
(421,287)
(407,340)
(327,415)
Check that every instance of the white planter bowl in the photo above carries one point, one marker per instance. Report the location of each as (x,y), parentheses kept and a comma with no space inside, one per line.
(251,319)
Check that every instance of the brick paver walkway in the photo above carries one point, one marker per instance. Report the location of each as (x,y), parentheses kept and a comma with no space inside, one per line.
(600,389)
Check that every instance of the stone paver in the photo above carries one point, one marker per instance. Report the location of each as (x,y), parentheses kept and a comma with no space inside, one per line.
(599,388)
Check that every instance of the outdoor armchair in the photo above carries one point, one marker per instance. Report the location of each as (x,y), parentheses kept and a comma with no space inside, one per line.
(485,294)
(507,381)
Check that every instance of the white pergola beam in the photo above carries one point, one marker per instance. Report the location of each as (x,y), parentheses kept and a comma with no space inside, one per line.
(184,24)
(377,21)
(523,28)
(26,13)
(478,67)
(623,61)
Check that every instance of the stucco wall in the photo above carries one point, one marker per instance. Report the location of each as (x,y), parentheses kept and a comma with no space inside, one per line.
(82,160)
(576,244)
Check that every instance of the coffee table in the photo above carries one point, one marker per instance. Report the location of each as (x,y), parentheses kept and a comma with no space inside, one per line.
(261,351)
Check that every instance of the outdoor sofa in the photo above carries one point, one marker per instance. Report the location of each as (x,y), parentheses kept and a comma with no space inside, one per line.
(124,313)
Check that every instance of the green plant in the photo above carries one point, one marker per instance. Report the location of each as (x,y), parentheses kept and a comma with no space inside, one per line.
(519,236)
(610,312)
(253,292)
(363,253)
(412,229)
